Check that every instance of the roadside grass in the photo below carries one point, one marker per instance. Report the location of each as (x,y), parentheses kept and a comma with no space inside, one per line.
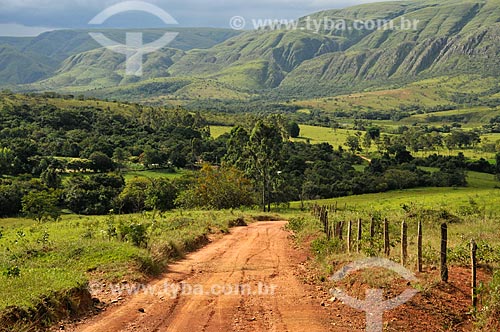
(39,260)
(471,213)
(464,223)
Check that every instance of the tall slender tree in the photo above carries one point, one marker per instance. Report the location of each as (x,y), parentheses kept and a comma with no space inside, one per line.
(259,155)
(264,148)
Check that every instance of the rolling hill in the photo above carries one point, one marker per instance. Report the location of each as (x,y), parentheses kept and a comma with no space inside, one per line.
(104,68)
(17,67)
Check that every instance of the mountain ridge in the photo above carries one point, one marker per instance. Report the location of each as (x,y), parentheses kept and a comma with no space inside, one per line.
(450,39)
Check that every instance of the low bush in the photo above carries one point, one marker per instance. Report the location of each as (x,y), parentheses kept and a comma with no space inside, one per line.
(296,224)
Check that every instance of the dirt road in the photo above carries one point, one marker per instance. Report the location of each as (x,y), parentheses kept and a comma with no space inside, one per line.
(259,258)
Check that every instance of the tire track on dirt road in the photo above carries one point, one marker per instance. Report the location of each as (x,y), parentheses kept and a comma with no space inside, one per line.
(261,253)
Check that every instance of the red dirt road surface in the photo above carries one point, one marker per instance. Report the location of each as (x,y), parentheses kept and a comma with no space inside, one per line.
(259,254)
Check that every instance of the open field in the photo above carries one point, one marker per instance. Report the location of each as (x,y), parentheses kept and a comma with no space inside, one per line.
(481,189)
(473,154)
(474,117)
(476,206)
(217,131)
(312,134)
(68,103)
(429,93)
(376,100)
(317,135)
(437,306)
(470,213)
(337,137)
(153,174)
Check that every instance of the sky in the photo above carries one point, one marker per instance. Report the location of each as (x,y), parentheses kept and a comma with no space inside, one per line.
(31,17)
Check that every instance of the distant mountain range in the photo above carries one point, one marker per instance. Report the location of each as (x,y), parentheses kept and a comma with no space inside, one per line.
(28,60)
(451,38)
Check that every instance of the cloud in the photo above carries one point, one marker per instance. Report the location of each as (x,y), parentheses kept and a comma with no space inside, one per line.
(77,13)
(19,30)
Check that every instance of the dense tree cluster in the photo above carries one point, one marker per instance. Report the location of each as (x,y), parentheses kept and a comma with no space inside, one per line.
(93,136)
(218,188)
(93,194)
(494,125)
(457,162)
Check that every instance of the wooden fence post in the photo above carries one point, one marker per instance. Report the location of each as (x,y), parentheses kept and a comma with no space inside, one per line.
(360,233)
(327,225)
(387,243)
(419,245)
(372,232)
(404,243)
(473,252)
(444,252)
(349,234)
(322,218)
(372,229)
